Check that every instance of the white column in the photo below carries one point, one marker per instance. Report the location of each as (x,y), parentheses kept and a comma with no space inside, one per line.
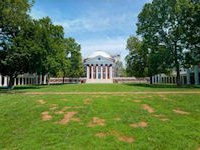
(159,78)
(36,79)
(0,80)
(101,72)
(22,80)
(92,72)
(188,77)
(106,72)
(5,81)
(14,81)
(196,74)
(40,79)
(97,72)
(156,79)
(88,72)
(111,72)
(45,79)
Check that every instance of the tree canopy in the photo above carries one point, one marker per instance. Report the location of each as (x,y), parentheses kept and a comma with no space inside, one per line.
(170,37)
(34,46)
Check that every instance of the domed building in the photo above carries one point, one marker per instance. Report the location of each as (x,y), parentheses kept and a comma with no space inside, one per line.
(100,67)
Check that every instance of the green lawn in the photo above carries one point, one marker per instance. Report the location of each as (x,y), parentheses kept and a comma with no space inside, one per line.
(128,121)
(104,88)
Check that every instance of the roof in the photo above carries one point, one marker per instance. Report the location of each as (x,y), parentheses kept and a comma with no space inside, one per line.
(100,53)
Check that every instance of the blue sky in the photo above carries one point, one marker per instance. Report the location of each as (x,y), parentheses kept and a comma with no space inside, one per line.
(95,24)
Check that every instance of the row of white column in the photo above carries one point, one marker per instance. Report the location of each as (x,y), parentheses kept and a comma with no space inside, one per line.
(170,79)
(23,80)
(91,72)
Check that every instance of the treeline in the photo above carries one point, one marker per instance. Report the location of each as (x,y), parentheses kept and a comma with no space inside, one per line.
(168,37)
(38,46)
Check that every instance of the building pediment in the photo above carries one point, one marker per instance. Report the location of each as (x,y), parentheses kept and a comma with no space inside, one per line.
(99,60)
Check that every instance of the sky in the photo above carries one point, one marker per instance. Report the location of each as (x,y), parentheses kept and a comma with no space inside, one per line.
(95,24)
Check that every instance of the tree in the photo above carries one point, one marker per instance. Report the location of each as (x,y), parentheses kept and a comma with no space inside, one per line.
(48,53)
(76,63)
(136,59)
(13,48)
(144,60)
(119,69)
(160,24)
(190,11)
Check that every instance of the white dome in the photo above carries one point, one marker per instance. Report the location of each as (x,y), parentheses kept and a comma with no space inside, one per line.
(100,53)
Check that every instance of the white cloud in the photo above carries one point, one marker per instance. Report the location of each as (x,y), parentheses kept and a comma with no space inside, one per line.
(37,13)
(95,23)
(83,24)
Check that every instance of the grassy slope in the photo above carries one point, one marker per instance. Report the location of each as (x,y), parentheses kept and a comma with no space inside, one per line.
(21,126)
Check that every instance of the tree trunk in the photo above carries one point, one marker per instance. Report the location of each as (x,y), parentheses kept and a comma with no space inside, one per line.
(11,83)
(177,65)
(151,80)
(178,77)
(63,79)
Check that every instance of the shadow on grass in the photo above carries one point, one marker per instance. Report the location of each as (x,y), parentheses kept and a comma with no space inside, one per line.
(28,87)
(18,88)
(162,85)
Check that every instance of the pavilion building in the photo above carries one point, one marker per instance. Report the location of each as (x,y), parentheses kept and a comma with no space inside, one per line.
(100,67)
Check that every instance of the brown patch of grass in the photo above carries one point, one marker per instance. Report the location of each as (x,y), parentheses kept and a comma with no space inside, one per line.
(87,101)
(101,134)
(122,137)
(136,101)
(161,117)
(127,139)
(46,116)
(181,112)
(118,135)
(41,101)
(96,122)
(67,118)
(148,108)
(53,106)
(141,124)
(59,112)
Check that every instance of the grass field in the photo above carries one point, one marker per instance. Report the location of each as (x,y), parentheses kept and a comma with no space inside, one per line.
(116,121)
(103,88)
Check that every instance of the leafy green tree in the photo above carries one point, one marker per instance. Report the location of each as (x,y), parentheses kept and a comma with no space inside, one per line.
(136,59)
(190,10)
(48,53)
(144,60)
(161,22)
(13,47)
(76,63)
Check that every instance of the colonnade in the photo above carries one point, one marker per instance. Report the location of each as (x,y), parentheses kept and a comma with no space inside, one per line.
(190,76)
(99,71)
(23,80)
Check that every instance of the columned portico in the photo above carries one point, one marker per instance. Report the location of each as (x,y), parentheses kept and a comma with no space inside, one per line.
(99,72)
(99,67)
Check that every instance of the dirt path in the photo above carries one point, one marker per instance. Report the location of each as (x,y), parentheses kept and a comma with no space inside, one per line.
(107,93)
